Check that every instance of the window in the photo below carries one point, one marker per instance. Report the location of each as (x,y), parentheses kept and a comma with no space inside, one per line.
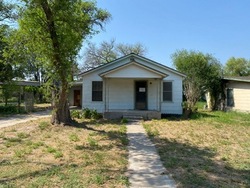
(230,97)
(96,91)
(167,91)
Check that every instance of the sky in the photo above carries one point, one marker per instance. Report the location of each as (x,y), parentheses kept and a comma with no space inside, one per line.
(217,27)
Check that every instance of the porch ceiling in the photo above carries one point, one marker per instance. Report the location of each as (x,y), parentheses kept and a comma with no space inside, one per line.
(133,70)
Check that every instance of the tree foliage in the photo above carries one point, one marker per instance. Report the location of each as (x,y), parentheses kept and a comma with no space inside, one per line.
(55,29)
(237,67)
(5,69)
(203,73)
(6,11)
(108,51)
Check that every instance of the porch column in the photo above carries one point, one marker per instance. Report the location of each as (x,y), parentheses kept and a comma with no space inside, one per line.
(159,94)
(104,93)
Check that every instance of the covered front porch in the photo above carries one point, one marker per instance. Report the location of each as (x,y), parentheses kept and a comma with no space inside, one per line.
(132,90)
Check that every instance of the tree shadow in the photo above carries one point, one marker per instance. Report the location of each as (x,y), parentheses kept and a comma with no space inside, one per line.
(201,115)
(191,166)
(194,116)
(50,169)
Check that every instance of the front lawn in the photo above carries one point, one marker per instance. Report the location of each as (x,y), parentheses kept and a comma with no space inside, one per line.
(37,154)
(212,149)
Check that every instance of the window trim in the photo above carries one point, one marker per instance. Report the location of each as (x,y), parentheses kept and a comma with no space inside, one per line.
(167,91)
(93,91)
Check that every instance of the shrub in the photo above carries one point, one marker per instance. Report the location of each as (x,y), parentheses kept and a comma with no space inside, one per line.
(86,113)
(11,110)
(90,114)
(75,114)
(94,114)
(124,121)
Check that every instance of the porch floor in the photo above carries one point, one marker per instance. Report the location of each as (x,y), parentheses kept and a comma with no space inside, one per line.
(143,114)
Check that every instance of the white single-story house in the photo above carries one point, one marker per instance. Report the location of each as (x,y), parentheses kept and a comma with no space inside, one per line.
(130,85)
(237,93)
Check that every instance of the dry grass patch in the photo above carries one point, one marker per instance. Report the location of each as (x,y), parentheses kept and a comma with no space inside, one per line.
(209,150)
(37,154)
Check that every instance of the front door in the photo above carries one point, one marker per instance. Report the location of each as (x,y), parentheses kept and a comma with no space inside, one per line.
(140,95)
(77,98)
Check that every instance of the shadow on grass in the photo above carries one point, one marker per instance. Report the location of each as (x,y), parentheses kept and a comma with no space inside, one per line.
(195,167)
(52,170)
(201,115)
(194,116)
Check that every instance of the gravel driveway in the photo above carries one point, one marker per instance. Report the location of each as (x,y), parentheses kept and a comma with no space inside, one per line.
(15,119)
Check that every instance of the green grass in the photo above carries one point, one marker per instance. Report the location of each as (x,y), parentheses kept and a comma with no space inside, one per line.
(211,149)
(74,137)
(38,154)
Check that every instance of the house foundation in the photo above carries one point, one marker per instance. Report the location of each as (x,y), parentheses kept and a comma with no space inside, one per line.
(132,114)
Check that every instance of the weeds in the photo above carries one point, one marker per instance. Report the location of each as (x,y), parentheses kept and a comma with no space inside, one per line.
(92,142)
(44,125)
(57,153)
(73,137)
(22,135)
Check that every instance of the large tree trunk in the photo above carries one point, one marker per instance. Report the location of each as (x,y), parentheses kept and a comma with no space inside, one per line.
(61,114)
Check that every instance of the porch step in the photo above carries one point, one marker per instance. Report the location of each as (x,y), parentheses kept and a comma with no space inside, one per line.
(133,117)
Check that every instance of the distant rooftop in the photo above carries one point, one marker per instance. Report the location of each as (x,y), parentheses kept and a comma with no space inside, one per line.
(237,78)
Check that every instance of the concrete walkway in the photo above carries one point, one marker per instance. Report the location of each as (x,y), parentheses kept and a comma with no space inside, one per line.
(145,167)
(15,119)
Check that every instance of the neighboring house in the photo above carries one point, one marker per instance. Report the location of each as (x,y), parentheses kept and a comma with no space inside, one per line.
(237,93)
(130,85)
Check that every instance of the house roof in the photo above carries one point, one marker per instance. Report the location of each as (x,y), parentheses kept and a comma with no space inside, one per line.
(237,78)
(132,56)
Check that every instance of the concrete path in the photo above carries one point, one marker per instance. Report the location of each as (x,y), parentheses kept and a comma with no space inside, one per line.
(145,167)
(15,119)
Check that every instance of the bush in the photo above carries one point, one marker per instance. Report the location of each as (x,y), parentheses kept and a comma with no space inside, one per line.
(91,114)
(124,121)
(11,110)
(86,113)
(76,114)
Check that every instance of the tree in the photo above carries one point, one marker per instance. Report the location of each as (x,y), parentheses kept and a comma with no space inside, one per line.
(6,72)
(203,73)
(108,51)
(237,67)
(56,29)
(7,11)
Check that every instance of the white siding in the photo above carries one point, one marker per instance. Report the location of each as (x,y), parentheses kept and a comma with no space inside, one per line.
(120,92)
(132,71)
(241,93)
(87,93)
(174,107)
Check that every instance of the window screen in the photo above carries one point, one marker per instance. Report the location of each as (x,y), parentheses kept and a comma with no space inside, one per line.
(167,91)
(96,91)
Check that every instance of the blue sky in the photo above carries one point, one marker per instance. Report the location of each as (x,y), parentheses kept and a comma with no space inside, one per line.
(218,27)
